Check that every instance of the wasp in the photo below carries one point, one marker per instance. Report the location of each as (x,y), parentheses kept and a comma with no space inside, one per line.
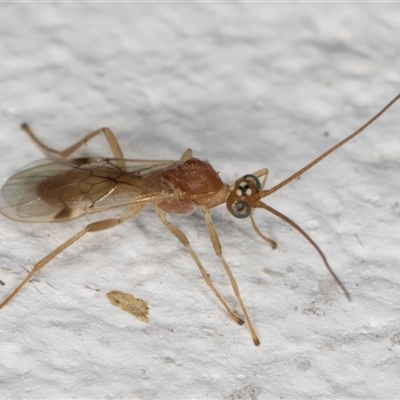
(60,188)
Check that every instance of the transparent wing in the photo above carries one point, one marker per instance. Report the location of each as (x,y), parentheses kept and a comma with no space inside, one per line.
(58,189)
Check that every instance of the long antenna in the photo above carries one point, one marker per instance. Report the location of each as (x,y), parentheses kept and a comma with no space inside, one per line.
(308,237)
(265,193)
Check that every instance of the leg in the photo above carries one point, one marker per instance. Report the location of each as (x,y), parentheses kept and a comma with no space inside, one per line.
(218,251)
(262,236)
(183,239)
(112,141)
(262,172)
(95,226)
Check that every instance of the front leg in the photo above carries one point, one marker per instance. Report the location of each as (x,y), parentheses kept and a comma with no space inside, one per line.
(218,251)
(184,240)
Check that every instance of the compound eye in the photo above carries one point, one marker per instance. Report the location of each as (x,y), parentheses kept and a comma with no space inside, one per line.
(240,209)
(254,180)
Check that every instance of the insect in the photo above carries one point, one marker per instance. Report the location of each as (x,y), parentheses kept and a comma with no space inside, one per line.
(60,188)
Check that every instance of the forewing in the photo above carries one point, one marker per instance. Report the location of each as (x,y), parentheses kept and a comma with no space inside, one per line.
(19,198)
(87,187)
(137,183)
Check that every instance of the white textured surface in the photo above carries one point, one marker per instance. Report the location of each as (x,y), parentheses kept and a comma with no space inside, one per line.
(246,86)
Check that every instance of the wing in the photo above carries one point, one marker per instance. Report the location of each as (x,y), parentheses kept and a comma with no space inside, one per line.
(52,190)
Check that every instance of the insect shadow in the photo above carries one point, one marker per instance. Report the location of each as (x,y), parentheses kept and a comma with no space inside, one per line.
(59,188)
